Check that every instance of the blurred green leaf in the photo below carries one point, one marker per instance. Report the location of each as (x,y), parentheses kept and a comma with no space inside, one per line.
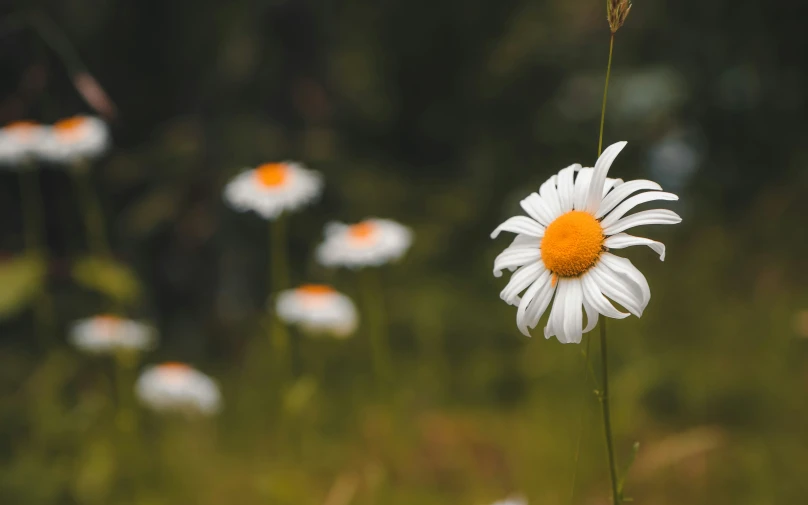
(108,277)
(21,278)
(96,469)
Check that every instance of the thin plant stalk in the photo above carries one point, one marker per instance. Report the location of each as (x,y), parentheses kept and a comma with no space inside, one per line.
(605,94)
(376,322)
(279,280)
(34,230)
(91,210)
(586,374)
(603,394)
(125,415)
(607,420)
(125,363)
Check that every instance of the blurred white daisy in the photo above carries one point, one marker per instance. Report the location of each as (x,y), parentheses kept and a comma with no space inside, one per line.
(562,249)
(177,387)
(20,140)
(273,188)
(372,242)
(317,309)
(75,139)
(108,334)
(511,501)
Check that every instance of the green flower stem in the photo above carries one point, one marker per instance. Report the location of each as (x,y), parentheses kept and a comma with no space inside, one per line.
(375,320)
(605,95)
(603,395)
(34,230)
(92,211)
(278,280)
(607,420)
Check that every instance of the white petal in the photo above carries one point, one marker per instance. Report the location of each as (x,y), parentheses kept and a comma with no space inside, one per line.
(525,240)
(555,323)
(595,298)
(595,193)
(612,286)
(656,216)
(520,280)
(534,293)
(623,240)
(632,275)
(632,202)
(591,316)
(611,183)
(581,188)
(549,194)
(573,314)
(514,257)
(540,301)
(566,187)
(536,208)
(520,224)
(622,191)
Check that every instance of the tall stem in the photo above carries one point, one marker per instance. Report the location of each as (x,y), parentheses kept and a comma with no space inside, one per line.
(607,419)
(91,209)
(605,94)
(35,243)
(279,280)
(604,356)
(376,322)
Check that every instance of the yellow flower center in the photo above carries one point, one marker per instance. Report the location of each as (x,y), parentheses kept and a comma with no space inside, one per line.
(108,323)
(174,367)
(272,175)
(21,128)
(315,289)
(69,128)
(363,232)
(572,244)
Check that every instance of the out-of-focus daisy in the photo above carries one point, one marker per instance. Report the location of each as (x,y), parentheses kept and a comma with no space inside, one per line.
(511,501)
(318,308)
(75,139)
(562,249)
(177,387)
(273,188)
(20,140)
(372,242)
(108,334)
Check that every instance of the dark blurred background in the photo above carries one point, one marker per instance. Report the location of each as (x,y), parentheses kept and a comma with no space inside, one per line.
(441,115)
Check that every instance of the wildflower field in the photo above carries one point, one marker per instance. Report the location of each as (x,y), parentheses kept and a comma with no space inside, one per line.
(332,253)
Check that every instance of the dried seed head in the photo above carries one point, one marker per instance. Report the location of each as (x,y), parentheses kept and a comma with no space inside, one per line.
(617,12)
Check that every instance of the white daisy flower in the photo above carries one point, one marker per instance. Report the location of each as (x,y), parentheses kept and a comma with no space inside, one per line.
(75,139)
(372,242)
(177,387)
(317,309)
(273,188)
(20,140)
(562,249)
(108,334)
(511,501)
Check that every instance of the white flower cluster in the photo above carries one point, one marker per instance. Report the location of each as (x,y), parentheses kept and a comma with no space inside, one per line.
(66,141)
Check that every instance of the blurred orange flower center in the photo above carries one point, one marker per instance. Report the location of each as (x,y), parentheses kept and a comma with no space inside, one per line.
(24,128)
(572,244)
(315,289)
(272,174)
(362,232)
(69,127)
(174,366)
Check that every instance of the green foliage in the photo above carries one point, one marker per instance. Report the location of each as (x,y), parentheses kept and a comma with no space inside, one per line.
(108,277)
(22,278)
